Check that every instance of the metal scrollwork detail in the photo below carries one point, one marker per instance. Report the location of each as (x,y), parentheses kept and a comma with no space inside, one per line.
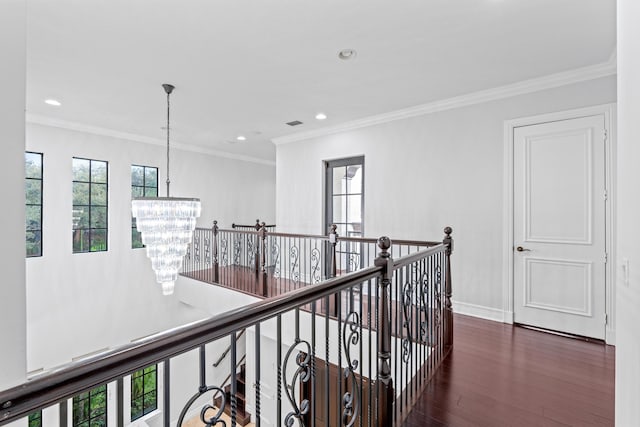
(275,256)
(294,268)
(207,250)
(354,261)
(424,308)
(438,295)
(224,251)
(407,292)
(209,421)
(301,375)
(237,250)
(315,266)
(351,400)
(196,249)
(251,253)
(188,254)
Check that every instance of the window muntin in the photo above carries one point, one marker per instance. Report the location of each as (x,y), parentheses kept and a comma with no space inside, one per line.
(144,183)
(90,408)
(90,205)
(33,203)
(144,391)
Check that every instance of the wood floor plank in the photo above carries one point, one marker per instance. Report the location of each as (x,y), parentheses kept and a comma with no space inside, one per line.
(503,375)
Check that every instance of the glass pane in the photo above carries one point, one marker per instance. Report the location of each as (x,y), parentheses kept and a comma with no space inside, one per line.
(149,402)
(354,179)
(98,171)
(84,424)
(136,387)
(80,217)
(137,191)
(99,194)
(150,369)
(99,422)
(339,209)
(34,243)
(137,175)
(33,217)
(80,241)
(136,239)
(81,193)
(81,170)
(149,382)
(151,177)
(33,165)
(354,209)
(98,217)
(98,240)
(33,191)
(339,183)
(136,408)
(151,192)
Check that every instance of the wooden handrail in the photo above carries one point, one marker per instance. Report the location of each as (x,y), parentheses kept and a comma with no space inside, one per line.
(224,353)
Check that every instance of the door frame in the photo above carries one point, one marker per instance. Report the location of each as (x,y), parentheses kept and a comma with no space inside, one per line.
(608,111)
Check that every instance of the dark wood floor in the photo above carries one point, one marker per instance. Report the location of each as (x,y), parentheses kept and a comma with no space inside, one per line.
(501,375)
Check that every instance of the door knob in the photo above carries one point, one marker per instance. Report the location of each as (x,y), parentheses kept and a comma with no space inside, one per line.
(521,249)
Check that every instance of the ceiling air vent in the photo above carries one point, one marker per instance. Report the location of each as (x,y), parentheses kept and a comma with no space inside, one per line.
(294,123)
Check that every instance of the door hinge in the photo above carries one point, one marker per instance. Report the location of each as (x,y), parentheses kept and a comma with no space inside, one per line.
(606,257)
(606,319)
(605,135)
(606,195)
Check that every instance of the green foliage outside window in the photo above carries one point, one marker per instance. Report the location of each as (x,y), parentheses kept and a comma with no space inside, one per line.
(144,183)
(90,205)
(144,395)
(35,419)
(33,203)
(90,408)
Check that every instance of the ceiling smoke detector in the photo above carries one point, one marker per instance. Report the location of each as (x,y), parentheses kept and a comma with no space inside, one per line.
(346,54)
(294,123)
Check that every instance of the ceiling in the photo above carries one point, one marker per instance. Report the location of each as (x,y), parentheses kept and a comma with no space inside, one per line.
(245,67)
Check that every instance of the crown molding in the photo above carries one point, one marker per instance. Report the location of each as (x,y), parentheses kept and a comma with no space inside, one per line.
(94,130)
(551,81)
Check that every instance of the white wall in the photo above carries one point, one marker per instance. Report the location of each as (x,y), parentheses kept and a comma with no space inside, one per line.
(427,172)
(80,303)
(12,226)
(628,293)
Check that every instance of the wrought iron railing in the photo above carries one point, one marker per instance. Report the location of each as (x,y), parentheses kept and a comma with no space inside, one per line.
(365,366)
(267,263)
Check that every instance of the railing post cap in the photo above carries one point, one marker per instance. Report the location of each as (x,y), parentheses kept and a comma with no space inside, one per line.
(334,228)
(215,222)
(448,231)
(384,243)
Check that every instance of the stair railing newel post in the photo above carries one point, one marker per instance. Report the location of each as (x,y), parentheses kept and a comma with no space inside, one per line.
(215,252)
(263,258)
(258,226)
(333,241)
(448,321)
(384,381)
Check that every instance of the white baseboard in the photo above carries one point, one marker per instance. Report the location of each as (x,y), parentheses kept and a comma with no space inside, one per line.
(480,311)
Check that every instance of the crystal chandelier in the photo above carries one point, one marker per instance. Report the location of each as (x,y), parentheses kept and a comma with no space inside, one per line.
(166,225)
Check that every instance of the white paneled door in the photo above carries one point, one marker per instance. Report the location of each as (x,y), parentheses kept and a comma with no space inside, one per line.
(559,226)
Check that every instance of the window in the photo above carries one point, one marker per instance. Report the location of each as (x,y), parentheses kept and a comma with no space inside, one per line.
(35,419)
(89,205)
(33,199)
(144,183)
(90,408)
(144,391)
(344,201)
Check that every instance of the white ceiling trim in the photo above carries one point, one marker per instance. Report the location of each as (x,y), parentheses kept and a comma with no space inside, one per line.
(94,130)
(578,75)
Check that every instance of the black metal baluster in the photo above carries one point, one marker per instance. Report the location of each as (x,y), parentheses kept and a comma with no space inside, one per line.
(327,394)
(340,377)
(312,416)
(280,379)
(234,381)
(166,408)
(258,373)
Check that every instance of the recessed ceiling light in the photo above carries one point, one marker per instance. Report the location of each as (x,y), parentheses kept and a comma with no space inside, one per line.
(241,138)
(321,116)
(346,54)
(52,102)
